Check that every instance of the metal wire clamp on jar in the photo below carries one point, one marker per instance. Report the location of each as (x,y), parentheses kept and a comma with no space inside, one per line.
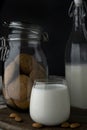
(25,62)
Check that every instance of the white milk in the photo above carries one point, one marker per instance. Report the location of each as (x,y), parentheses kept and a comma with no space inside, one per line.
(50,105)
(76,76)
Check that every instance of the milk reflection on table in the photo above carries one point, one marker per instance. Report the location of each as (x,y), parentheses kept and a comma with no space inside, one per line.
(49,103)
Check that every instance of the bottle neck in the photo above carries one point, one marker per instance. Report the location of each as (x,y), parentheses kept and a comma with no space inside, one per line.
(78,18)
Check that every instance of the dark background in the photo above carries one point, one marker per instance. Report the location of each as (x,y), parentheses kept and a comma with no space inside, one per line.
(52,15)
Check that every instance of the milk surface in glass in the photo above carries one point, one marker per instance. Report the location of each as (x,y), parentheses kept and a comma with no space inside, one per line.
(49,103)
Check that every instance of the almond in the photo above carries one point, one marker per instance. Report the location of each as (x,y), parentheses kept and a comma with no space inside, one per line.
(13,115)
(74,125)
(37,125)
(18,118)
(65,125)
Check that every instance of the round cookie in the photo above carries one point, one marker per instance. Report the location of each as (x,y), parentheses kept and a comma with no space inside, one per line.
(22,104)
(38,72)
(24,61)
(20,88)
(11,71)
(9,101)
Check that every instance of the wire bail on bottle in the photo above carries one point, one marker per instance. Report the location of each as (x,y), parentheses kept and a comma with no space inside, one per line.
(71,13)
(4,50)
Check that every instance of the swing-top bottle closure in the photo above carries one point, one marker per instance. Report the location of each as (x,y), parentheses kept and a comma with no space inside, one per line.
(14,31)
(32,31)
(78,2)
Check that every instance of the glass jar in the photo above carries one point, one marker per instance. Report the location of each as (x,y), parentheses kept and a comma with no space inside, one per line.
(24,61)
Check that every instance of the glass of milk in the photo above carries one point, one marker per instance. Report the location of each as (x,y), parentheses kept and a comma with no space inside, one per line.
(49,101)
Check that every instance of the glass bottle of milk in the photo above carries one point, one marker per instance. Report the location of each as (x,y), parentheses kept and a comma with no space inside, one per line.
(76,56)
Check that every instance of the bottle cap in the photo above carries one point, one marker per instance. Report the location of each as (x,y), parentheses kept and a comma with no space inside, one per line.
(78,2)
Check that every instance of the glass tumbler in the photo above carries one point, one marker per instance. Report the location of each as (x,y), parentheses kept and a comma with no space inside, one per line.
(49,101)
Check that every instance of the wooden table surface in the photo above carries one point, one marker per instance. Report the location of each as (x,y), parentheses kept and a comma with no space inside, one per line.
(8,123)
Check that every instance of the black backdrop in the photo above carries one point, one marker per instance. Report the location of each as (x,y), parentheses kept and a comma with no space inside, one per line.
(52,15)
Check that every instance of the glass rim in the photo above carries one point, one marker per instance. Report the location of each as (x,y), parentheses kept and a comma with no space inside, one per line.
(52,79)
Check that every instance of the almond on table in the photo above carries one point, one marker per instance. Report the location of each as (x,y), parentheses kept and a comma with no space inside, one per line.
(16,116)
(65,125)
(74,125)
(37,125)
(13,115)
(18,119)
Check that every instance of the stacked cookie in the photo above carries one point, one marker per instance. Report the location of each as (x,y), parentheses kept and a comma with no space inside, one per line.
(19,76)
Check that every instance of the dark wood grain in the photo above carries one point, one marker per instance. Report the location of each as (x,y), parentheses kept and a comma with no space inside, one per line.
(10,124)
